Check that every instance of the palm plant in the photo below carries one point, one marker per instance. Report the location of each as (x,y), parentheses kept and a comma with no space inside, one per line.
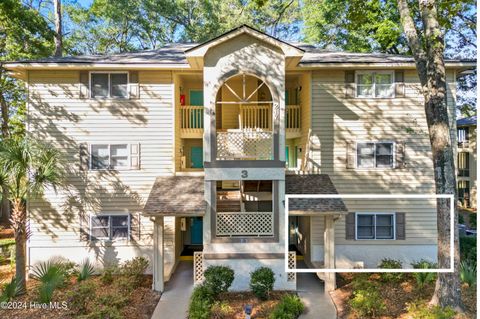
(468,272)
(10,290)
(86,270)
(51,275)
(27,167)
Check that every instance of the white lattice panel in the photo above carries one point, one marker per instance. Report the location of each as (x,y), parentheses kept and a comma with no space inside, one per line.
(198,267)
(292,264)
(245,224)
(244,144)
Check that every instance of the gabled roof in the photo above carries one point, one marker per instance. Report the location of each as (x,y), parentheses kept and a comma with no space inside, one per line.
(467,121)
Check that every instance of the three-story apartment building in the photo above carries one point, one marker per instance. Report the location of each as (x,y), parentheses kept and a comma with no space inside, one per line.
(190,149)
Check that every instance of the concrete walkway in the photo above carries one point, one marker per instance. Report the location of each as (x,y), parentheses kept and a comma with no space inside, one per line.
(318,304)
(174,301)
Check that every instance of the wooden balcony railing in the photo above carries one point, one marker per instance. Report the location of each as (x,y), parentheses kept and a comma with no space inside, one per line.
(191,121)
(256,117)
(244,224)
(244,144)
(292,117)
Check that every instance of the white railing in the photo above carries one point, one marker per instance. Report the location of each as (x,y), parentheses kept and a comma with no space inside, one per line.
(238,144)
(255,117)
(292,117)
(198,267)
(246,224)
(292,264)
(191,117)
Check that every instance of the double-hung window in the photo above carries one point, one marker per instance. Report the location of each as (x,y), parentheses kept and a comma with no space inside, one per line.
(376,84)
(462,137)
(109,85)
(375,226)
(463,164)
(375,155)
(109,156)
(109,227)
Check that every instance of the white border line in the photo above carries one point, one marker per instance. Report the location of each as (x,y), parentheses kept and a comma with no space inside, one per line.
(375,196)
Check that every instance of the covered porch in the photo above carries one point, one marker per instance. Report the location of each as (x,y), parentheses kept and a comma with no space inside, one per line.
(176,205)
(303,212)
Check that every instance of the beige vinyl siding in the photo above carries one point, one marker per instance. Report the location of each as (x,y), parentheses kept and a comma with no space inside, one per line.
(337,120)
(56,114)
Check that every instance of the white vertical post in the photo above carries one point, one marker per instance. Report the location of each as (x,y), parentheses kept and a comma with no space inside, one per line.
(158,263)
(329,251)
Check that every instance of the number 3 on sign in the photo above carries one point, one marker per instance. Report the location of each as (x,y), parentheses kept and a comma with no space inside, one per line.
(244,174)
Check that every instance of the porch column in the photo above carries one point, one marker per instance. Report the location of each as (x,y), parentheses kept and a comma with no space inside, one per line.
(158,263)
(329,252)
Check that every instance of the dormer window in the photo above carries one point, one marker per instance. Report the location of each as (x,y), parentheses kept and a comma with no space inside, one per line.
(374,84)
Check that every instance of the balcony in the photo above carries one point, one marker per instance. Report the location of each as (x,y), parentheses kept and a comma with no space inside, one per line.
(250,224)
(293,121)
(244,145)
(191,121)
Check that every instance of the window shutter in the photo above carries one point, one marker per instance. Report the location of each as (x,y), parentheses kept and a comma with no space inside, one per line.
(400,155)
(400,226)
(135,156)
(349,84)
(84,224)
(84,85)
(135,227)
(351,149)
(399,84)
(350,226)
(134,86)
(84,157)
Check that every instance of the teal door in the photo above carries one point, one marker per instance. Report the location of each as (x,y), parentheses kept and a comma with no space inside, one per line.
(196,231)
(196,116)
(196,155)
(287,158)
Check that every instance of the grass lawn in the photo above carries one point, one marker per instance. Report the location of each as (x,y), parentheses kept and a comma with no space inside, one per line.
(395,296)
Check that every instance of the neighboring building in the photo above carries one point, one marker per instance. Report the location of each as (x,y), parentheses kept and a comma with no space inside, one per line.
(467,162)
(191,148)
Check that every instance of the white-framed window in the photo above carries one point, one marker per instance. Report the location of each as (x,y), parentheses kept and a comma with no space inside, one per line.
(375,226)
(109,156)
(376,154)
(105,85)
(375,84)
(110,227)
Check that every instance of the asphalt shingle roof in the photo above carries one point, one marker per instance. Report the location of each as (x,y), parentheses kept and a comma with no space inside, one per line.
(472,120)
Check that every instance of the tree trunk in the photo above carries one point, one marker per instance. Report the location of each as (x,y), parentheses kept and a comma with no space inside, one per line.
(58,28)
(19,222)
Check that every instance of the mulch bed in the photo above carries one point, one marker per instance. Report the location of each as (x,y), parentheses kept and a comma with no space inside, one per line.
(395,296)
(231,305)
(141,304)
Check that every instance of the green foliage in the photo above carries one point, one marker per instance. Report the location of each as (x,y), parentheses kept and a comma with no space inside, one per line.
(218,279)
(79,297)
(461,220)
(11,290)
(261,282)
(424,278)
(472,220)
(468,272)
(367,302)
(420,310)
(289,307)
(134,270)
(52,275)
(388,263)
(85,271)
(201,303)
(7,241)
(468,248)
(108,274)
(221,310)
(103,312)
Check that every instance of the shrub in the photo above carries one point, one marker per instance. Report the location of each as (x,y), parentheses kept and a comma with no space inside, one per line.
(420,310)
(108,273)
(218,279)
(461,220)
(468,272)
(472,220)
(289,307)
(221,310)
(51,275)
(134,270)
(79,297)
(367,302)
(468,248)
(104,312)
(261,282)
(423,278)
(388,263)
(113,299)
(200,303)
(85,271)
(11,290)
